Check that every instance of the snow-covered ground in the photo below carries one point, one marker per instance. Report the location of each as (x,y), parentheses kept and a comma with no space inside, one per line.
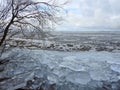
(88,70)
(71,41)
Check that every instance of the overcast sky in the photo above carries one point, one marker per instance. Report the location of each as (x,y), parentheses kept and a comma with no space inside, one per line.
(92,15)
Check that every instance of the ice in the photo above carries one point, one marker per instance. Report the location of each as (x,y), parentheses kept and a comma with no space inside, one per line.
(71,63)
(78,68)
(99,75)
(79,77)
(30,77)
(115,68)
(52,78)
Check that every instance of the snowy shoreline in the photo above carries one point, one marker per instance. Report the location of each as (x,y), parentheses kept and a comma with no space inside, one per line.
(58,46)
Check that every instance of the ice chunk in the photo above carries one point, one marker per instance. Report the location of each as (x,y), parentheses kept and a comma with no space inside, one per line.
(52,78)
(115,68)
(79,77)
(73,64)
(100,74)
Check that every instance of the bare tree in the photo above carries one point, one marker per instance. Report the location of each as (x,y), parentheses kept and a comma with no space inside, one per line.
(25,15)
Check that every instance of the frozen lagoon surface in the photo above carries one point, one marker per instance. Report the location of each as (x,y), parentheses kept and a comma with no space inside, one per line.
(89,70)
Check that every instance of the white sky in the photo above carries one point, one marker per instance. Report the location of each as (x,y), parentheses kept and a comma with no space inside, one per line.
(90,14)
(93,14)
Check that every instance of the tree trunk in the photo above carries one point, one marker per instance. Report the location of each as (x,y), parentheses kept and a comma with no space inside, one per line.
(6,31)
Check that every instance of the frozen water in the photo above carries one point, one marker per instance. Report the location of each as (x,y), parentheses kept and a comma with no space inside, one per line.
(78,68)
(72,63)
(79,77)
(115,68)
